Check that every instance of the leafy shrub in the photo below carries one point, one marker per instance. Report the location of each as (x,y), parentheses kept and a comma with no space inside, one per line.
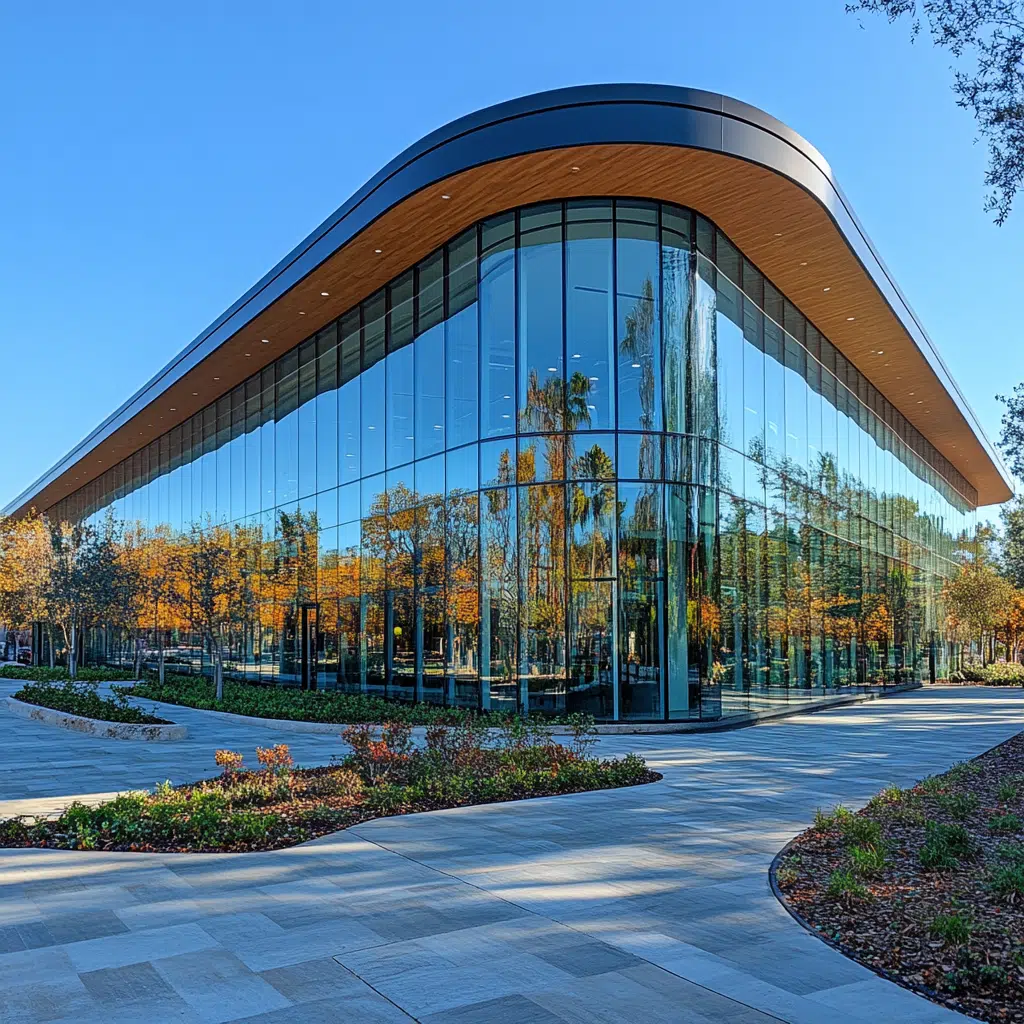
(44,674)
(338,782)
(952,929)
(81,698)
(786,876)
(868,861)
(932,785)
(1004,823)
(1009,674)
(844,885)
(228,760)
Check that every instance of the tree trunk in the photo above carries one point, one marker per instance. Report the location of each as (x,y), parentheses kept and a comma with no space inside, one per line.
(160,661)
(73,651)
(218,670)
(53,653)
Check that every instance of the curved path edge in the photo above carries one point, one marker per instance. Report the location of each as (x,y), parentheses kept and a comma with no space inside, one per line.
(145,733)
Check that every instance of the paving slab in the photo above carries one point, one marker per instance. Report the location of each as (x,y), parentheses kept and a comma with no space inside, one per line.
(645,905)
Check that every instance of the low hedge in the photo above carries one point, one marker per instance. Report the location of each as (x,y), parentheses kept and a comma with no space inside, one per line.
(293,705)
(81,698)
(41,674)
(1001,674)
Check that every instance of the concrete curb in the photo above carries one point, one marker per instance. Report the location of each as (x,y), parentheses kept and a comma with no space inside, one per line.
(620,728)
(93,727)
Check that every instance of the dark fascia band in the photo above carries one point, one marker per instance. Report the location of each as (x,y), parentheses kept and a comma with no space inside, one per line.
(578,116)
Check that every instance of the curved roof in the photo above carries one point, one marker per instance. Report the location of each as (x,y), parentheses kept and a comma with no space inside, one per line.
(741,167)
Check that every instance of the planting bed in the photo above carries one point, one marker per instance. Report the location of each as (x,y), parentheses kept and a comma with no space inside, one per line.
(279,805)
(926,885)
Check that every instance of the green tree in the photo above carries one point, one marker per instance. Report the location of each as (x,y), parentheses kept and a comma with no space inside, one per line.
(986,41)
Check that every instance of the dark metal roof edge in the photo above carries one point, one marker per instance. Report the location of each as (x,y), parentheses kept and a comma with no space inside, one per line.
(310,252)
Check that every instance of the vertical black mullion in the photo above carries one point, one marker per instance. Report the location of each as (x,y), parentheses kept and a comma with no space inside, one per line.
(617,585)
(515,462)
(661,473)
(567,581)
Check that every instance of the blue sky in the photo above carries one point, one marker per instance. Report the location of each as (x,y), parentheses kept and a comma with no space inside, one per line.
(156,160)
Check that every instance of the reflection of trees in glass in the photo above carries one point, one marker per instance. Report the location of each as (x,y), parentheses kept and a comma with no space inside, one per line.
(593,503)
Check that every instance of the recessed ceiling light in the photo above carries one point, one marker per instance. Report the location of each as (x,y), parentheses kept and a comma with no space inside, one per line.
(920,401)
(378,251)
(850,319)
(507,398)
(266,341)
(552,369)
(828,289)
(804,264)
(576,355)
(248,353)
(778,234)
(881,351)
(173,409)
(302,312)
(216,378)
(195,394)
(575,170)
(446,197)
(325,294)
(636,366)
(593,378)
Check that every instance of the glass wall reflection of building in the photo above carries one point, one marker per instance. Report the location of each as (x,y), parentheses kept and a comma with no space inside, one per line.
(582,457)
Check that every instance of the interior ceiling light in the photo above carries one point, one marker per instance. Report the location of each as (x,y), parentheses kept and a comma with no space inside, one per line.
(266,341)
(828,289)
(552,369)
(216,378)
(378,251)
(173,409)
(302,312)
(636,366)
(881,351)
(778,234)
(804,264)
(850,319)
(248,353)
(325,294)
(446,197)
(575,170)
(195,394)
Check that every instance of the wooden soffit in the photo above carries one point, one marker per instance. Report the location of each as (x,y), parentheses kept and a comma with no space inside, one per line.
(782,228)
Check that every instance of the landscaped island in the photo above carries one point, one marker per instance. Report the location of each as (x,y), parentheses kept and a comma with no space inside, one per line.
(278,805)
(81,699)
(926,884)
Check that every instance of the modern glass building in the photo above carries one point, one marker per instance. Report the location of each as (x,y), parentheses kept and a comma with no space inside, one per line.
(597,400)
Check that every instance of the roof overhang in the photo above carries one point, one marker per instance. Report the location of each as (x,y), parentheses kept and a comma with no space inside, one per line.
(768,189)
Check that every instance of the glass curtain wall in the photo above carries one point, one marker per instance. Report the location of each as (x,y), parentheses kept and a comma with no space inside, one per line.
(582,457)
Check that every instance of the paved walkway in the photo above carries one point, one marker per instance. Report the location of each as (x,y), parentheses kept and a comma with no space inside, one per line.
(649,904)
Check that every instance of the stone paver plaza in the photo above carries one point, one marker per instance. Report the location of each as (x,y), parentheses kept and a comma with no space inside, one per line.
(650,904)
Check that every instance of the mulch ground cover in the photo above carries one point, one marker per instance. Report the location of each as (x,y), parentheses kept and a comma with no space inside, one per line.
(926,885)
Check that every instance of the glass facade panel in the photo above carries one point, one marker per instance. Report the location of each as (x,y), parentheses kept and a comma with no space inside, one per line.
(581,457)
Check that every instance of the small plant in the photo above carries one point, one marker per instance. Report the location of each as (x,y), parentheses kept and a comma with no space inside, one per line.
(868,861)
(229,762)
(844,885)
(1007,881)
(861,830)
(891,796)
(1004,823)
(1007,793)
(944,846)
(584,734)
(786,876)
(932,785)
(953,929)
(964,770)
(825,822)
(276,760)
(959,805)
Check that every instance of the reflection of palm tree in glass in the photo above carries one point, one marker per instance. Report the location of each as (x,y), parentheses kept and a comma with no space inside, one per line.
(592,502)
(638,345)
